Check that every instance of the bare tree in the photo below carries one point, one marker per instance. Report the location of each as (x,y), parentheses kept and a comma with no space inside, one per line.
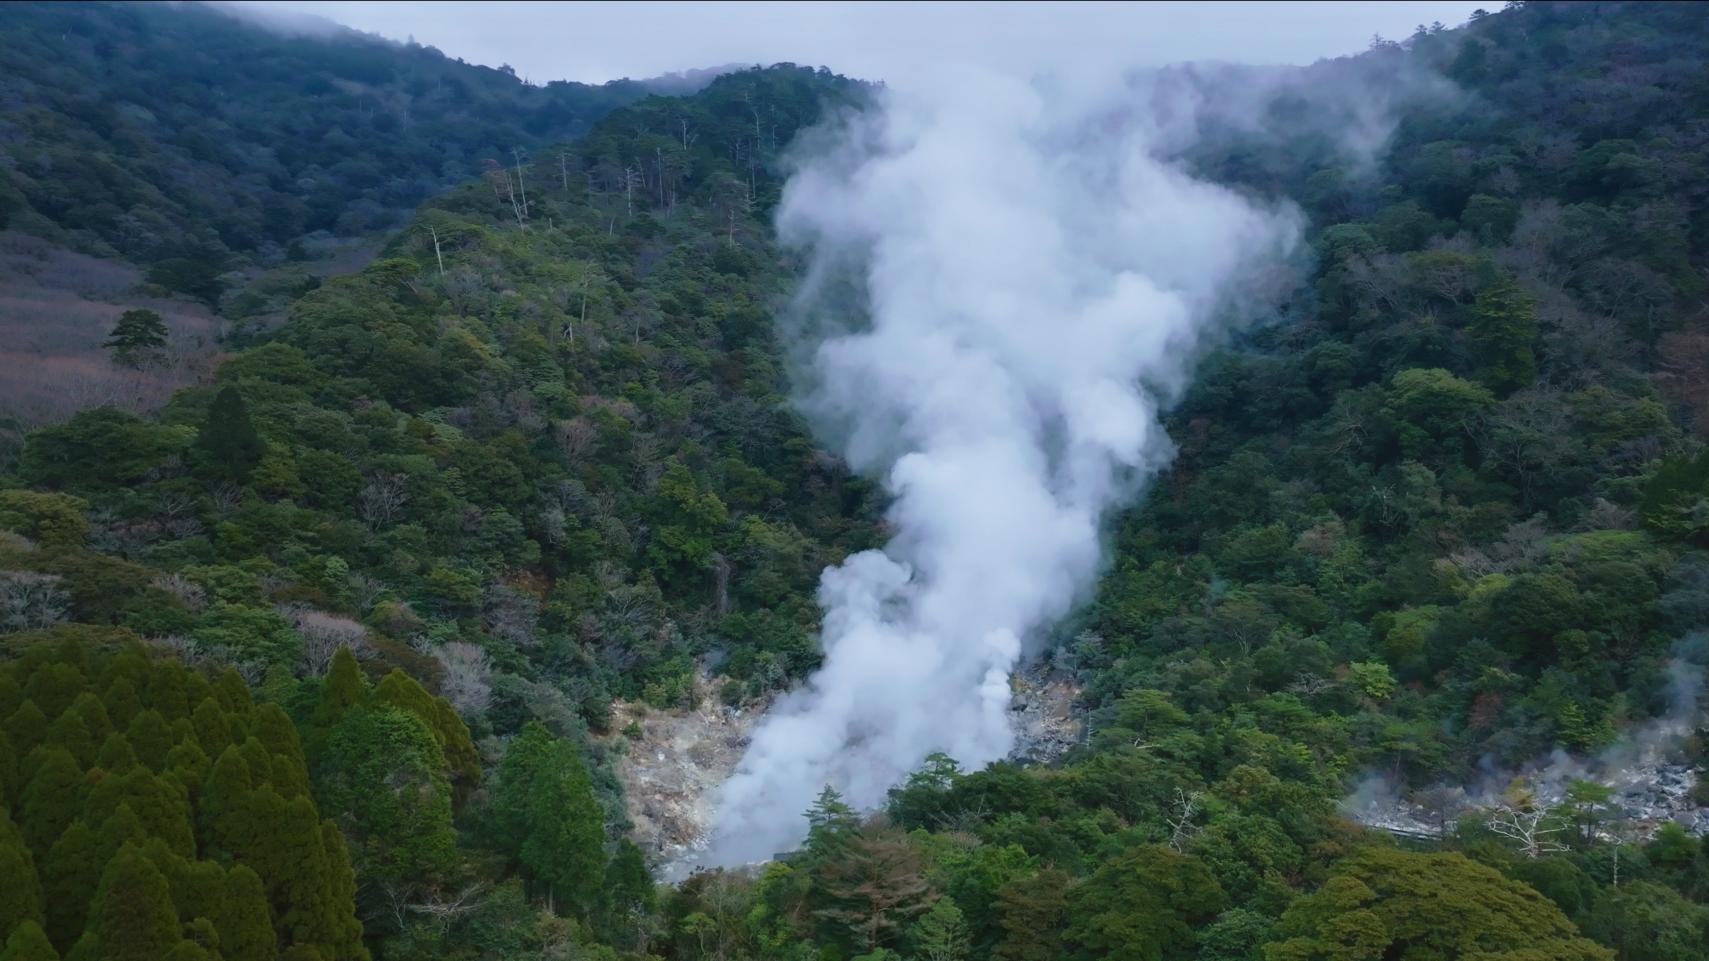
(226,498)
(444,908)
(323,634)
(365,591)
(31,601)
(1523,436)
(517,154)
(1182,830)
(468,676)
(1308,684)
(382,497)
(510,615)
(1532,827)
(575,437)
(631,177)
(192,595)
(436,254)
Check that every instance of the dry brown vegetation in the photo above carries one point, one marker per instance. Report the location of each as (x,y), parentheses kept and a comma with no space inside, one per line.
(56,308)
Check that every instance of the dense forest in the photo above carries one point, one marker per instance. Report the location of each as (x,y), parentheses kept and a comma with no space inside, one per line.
(182,137)
(319,660)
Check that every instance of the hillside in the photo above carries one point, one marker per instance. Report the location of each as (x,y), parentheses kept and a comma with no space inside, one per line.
(218,166)
(180,132)
(1435,535)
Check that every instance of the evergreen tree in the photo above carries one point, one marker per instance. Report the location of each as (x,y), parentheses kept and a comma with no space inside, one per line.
(116,755)
(228,444)
(546,813)
(1034,912)
(8,769)
(89,709)
(830,824)
(26,728)
(51,798)
(212,726)
(381,778)
(1144,905)
(1503,329)
(138,334)
(28,943)
(245,929)
(941,933)
(69,875)
(160,804)
(132,917)
(69,732)
(343,689)
(120,700)
(150,737)
(344,940)
(20,892)
(403,692)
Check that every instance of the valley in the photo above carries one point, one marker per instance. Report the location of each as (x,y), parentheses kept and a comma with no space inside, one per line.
(1172,513)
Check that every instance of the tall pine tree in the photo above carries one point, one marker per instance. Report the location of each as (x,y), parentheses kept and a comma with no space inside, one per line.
(228,445)
(139,335)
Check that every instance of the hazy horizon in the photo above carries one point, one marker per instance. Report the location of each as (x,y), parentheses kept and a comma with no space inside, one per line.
(595,43)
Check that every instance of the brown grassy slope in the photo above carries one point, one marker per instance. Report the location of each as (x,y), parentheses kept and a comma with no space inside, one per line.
(56,308)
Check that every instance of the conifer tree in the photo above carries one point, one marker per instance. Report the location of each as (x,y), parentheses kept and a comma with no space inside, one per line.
(26,728)
(345,943)
(941,933)
(381,777)
(69,732)
(260,762)
(232,692)
(116,755)
(120,700)
(545,808)
(133,917)
(150,737)
(51,799)
(228,444)
(167,691)
(158,801)
(246,929)
(28,943)
(630,889)
(343,689)
(136,336)
(189,765)
(54,686)
(93,713)
(213,729)
(20,892)
(69,875)
(8,769)
(403,692)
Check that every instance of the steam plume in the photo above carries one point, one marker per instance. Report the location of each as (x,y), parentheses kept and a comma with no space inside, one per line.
(1028,277)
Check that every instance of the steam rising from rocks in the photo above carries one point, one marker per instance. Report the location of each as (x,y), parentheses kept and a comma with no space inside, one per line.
(1008,280)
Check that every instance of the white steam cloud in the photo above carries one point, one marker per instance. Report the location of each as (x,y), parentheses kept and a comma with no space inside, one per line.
(1032,278)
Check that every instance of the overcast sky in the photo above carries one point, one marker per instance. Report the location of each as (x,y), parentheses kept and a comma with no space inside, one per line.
(887,41)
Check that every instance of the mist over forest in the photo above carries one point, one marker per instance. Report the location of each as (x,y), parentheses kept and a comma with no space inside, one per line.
(1072,509)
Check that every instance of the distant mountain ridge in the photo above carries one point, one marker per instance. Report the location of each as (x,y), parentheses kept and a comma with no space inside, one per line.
(153,132)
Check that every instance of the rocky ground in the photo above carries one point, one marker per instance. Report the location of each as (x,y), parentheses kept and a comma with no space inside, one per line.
(673,767)
(674,761)
(1652,791)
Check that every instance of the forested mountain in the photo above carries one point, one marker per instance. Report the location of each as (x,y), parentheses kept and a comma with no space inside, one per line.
(382,579)
(186,133)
